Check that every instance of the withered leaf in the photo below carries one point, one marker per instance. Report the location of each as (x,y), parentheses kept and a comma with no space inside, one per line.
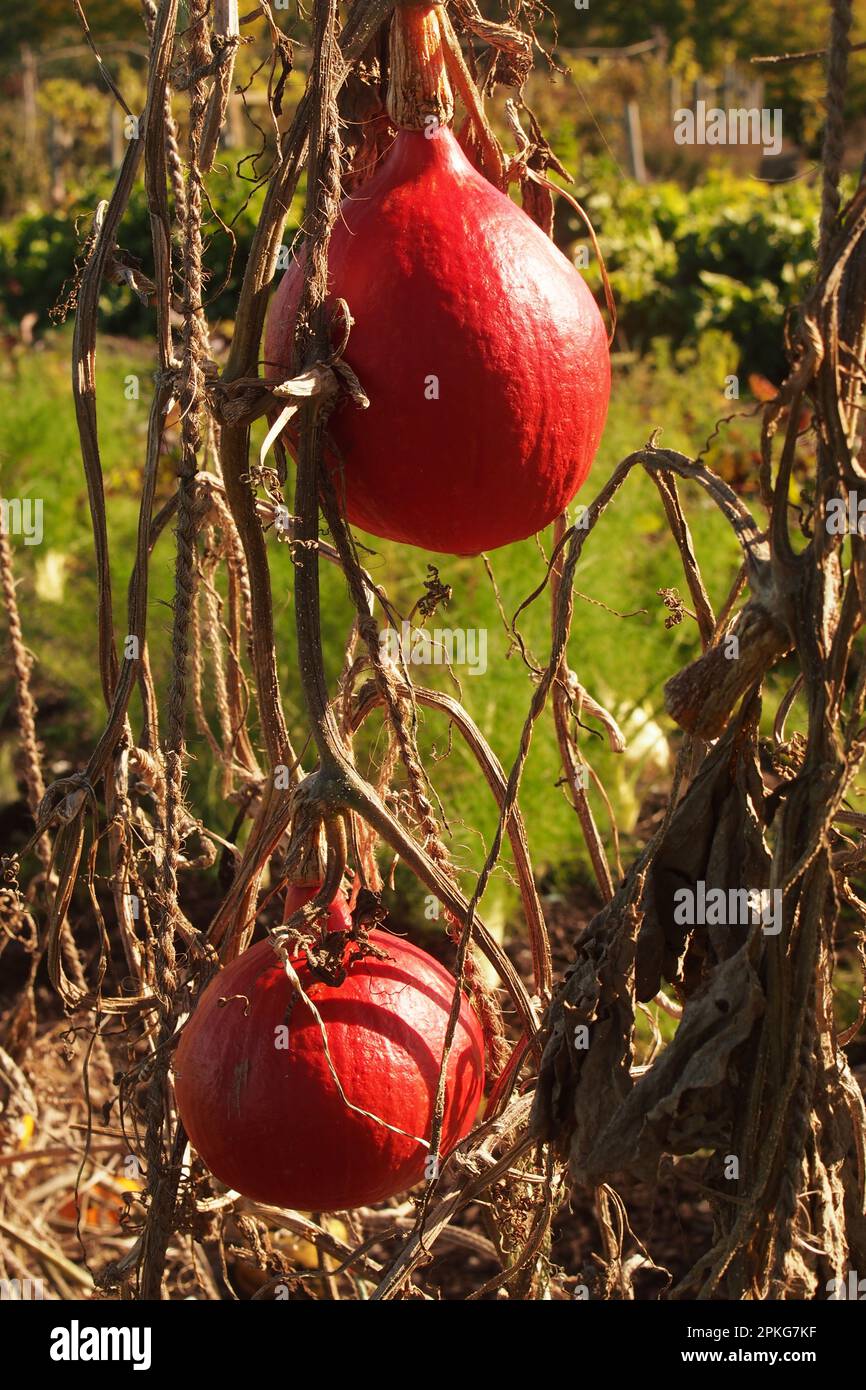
(715,837)
(685,1101)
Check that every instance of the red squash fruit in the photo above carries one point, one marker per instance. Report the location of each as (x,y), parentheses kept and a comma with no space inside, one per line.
(481,349)
(269,1121)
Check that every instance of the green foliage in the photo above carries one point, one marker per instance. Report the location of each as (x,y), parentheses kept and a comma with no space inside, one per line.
(53,22)
(38,251)
(729,254)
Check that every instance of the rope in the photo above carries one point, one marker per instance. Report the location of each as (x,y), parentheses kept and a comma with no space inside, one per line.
(25,707)
(163,1179)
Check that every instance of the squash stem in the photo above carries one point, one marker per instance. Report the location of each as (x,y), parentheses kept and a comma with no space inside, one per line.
(419,91)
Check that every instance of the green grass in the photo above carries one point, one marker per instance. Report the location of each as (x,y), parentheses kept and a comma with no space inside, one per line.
(623,661)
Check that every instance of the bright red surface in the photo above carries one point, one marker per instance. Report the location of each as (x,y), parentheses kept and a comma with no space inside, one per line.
(270,1123)
(446,277)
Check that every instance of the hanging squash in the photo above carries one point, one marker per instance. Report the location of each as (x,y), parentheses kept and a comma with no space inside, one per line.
(480,347)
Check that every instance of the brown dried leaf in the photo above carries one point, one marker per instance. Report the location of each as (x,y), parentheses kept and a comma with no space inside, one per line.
(685,1101)
(716,837)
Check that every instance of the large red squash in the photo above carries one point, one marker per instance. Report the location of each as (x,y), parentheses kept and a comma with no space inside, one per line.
(481,349)
(257,1097)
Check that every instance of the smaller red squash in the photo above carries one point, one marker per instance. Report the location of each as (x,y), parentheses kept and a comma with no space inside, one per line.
(259,1102)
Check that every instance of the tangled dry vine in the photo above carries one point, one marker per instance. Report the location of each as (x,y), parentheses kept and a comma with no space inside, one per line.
(756,1067)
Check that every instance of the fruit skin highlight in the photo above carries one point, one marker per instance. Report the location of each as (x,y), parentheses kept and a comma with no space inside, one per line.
(261,1106)
(481,349)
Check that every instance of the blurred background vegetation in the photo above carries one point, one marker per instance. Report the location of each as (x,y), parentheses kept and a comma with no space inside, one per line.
(708,249)
(697,236)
